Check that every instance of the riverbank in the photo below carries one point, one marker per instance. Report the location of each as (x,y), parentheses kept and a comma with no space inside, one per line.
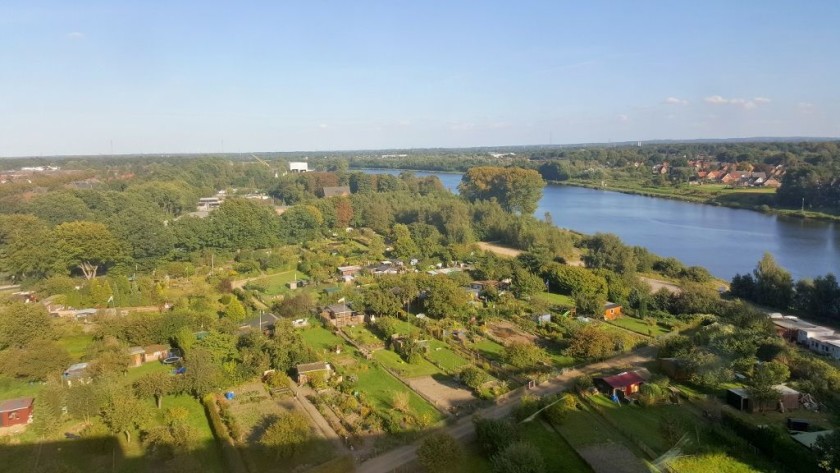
(758,200)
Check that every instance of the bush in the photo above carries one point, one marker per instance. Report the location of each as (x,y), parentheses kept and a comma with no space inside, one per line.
(774,443)
(518,457)
(494,435)
(440,452)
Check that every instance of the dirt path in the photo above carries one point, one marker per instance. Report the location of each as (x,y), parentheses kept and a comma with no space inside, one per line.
(499,250)
(463,430)
(319,421)
(657,284)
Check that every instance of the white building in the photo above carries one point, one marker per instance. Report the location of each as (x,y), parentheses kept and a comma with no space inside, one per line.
(298,166)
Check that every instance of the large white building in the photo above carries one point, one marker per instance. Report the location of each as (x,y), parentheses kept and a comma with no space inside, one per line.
(298,166)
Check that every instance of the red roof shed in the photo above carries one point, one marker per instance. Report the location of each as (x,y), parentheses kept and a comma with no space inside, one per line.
(627,383)
(15,411)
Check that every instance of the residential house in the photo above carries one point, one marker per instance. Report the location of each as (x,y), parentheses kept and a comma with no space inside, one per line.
(306,370)
(336,191)
(16,411)
(740,399)
(612,311)
(621,385)
(340,315)
(772,182)
(208,203)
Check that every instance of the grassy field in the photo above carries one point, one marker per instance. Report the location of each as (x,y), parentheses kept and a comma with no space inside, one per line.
(489,349)
(394,362)
(363,336)
(441,354)
(12,388)
(557,453)
(76,345)
(556,299)
(320,339)
(639,326)
(380,387)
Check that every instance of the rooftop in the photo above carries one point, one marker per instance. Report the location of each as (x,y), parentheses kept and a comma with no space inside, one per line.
(621,380)
(15,404)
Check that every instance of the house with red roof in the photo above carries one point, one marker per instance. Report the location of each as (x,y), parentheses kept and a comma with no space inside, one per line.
(622,385)
(16,411)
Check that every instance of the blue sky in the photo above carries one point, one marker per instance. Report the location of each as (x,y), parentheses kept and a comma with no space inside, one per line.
(202,76)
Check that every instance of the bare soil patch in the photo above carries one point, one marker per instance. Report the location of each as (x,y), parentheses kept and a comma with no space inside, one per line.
(612,458)
(499,250)
(657,284)
(509,333)
(444,391)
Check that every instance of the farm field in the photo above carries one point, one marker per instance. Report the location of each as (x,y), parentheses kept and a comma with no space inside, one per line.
(363,336)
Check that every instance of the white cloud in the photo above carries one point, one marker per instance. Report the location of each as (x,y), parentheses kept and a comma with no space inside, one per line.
(747,104)
(323,126)
(623,118)
(715,99)
(675,101)
(75,35)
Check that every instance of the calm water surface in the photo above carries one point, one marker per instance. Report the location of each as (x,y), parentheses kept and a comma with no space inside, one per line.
(726,241)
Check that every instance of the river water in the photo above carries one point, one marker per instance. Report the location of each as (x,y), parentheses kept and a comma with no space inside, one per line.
(725,241)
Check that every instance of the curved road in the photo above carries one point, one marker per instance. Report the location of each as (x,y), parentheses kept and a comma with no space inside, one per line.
(463,429)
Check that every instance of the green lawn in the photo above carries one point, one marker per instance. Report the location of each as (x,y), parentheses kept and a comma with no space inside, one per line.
(380,387)
(134,374)
(559,360)
(76,345)
(581,428)
(474,460)
(639,326)
(408,370)
(441,354)
(557,453)
(556,299)
(319,338)
(276,283)
(11,388)
(489,349)
(363,336)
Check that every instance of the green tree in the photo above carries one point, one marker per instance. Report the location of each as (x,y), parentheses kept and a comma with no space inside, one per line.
(440,453)
(404,245)
(84,401)
(516,189)
(50,403)
(519,457)
(234,311)
(827,448)
(524,284)
(444,297)
(27,247)
(607,251)
(202,375)
(22,323)
(590,342)
(122,412)
(286,435)
(154,385)
(494,435)
(244,224)
(524,355)
(37,361)
(87,246)
(773,285)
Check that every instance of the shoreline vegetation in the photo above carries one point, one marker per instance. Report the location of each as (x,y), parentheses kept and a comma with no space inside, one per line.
(733,203)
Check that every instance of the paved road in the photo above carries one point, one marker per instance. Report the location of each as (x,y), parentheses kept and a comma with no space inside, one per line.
(463,429)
